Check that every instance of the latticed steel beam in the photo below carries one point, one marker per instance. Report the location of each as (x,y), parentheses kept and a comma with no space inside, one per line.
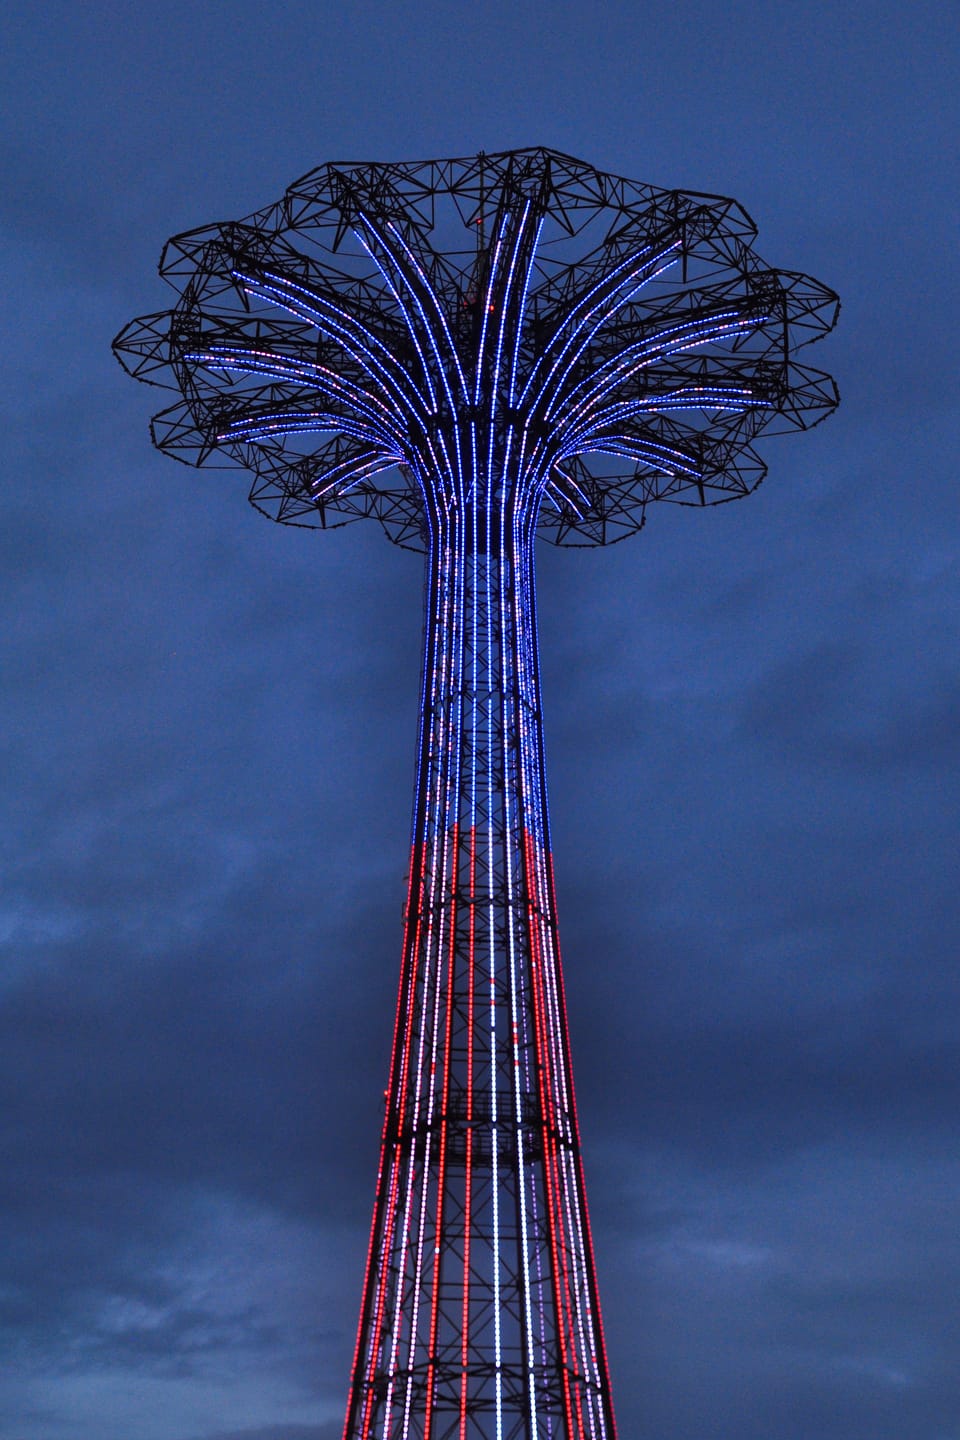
(474,352)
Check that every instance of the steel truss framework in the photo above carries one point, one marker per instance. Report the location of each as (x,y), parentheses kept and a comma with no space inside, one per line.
(476,351)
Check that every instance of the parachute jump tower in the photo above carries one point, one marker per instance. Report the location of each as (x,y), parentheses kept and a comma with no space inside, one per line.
(475,352)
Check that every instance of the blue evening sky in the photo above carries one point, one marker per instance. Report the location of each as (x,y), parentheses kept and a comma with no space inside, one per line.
(208,727)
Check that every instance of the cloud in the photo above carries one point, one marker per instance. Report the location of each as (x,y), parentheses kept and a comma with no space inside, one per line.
(329,1431)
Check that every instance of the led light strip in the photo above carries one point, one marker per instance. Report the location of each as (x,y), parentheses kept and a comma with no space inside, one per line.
(509,658)
(430,1002)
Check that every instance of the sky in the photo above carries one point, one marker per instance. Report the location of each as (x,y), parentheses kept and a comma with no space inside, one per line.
(208,726)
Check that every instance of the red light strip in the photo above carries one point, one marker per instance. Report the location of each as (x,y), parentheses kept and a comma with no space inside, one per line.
(395,1163)
(429,1024)
(547,1107)
(386,1125)
(413,970)
(465,1326)
(597,1326)
(565,1186)
(438,1233)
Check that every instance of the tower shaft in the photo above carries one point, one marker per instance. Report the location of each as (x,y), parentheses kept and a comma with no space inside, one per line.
(480,1313)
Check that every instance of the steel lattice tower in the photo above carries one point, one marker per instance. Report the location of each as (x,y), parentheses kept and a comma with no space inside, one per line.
(474,352)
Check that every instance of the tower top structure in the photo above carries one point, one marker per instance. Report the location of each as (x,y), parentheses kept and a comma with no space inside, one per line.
(628,336)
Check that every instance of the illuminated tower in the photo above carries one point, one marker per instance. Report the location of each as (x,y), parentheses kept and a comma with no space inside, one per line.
(474,352)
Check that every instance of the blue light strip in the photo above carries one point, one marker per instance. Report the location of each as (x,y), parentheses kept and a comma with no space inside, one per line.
(485,308)
(436,343)
(609,284)
(550,395)
(363,347)
(522,310)
(671,341)
(237,360)
(437,309)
